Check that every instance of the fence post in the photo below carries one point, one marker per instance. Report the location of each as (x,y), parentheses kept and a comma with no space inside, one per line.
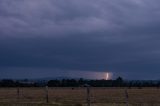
(18,93)
(88,96)
(126,97)
(47,94)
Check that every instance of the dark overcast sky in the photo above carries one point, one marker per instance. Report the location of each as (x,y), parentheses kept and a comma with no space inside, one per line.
(49,38)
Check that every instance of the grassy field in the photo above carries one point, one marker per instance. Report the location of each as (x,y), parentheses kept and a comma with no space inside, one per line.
(77,97)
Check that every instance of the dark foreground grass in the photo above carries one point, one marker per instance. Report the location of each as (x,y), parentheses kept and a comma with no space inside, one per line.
(59,104)
(38,104)
(77,97)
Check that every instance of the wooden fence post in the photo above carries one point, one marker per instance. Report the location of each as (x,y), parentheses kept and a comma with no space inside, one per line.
(18,94)
(126,97)
(47,94)
(88,96)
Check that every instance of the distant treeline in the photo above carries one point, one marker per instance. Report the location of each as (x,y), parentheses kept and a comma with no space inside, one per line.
(119,82)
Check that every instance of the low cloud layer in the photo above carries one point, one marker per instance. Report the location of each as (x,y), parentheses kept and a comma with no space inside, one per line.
(88,35)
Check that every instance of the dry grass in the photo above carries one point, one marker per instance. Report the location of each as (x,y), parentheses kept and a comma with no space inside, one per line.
(77,97)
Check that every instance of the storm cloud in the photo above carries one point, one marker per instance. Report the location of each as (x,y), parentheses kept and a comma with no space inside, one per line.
(119,36)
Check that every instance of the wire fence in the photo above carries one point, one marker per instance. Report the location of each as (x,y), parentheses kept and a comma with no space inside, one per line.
(81,96)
